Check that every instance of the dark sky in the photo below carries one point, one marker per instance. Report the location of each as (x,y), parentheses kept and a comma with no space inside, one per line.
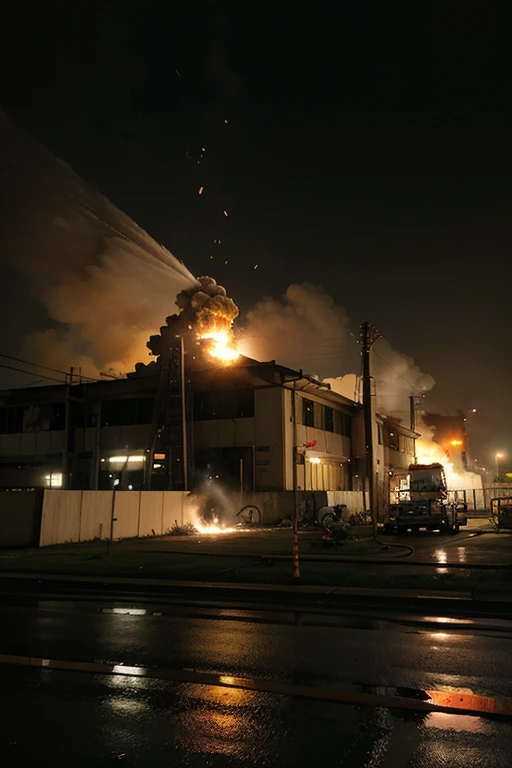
(368,149)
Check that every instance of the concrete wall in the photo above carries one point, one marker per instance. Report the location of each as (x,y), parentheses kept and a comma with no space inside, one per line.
(69,516)
(20,518)
(264,431)
(268,408)
(61,517)
(95,515)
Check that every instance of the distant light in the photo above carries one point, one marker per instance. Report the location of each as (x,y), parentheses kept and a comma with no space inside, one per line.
(456,442)
(124,459)
(499,455)
(315,460)
(116,482)
(473,410)
(54,480)
(159,456)
(130,487)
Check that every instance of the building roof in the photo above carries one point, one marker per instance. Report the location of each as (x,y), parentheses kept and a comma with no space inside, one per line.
(246,373)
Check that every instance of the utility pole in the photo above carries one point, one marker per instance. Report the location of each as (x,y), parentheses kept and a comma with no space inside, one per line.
(184,420)
(369,335)
(67,432)
(295,518)
(412,411)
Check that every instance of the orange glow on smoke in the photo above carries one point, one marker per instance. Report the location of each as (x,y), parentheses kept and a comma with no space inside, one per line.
(220,347)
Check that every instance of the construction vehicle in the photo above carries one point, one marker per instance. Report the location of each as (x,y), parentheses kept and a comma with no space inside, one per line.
(424,504)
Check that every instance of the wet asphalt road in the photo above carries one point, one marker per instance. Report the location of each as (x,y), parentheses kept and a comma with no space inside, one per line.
(72,718)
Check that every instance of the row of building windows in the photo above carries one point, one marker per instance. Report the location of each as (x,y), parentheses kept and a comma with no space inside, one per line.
(216,404)
(395,441)
(324,417)
(223,404)
(114,413)
(128,412)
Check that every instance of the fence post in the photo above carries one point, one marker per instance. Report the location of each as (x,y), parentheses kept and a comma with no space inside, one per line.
(112,519)
(138,519)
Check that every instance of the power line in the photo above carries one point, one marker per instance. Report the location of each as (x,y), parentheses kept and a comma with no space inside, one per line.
(44,367)
(394,369)
(30,373)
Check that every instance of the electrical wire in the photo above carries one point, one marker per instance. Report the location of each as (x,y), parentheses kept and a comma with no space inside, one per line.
(44,367)
(30,373)
(394,369)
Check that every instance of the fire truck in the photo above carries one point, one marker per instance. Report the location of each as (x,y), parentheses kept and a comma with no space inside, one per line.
(425,504)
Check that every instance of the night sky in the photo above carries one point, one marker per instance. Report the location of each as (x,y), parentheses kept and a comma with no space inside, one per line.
(368,151)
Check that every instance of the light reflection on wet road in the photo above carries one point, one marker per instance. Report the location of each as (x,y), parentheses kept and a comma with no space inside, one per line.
(67,718)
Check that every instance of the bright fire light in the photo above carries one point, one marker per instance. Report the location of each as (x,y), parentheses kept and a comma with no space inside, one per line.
(456,442)
(220,347)
(212,528)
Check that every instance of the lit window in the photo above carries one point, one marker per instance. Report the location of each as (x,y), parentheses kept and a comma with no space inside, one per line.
(54,480)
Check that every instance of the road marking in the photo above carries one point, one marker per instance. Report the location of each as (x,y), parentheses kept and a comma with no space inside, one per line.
(439,701)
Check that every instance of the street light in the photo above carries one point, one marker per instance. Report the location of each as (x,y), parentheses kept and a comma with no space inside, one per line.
(498,456)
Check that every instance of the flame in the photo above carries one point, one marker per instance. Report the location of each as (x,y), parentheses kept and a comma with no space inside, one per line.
(220,347)
(213,528)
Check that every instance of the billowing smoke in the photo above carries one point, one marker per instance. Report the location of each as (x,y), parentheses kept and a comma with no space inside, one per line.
(428,450)
(397,377)
(206,312)
(104,282)
(305,329)
(207,308)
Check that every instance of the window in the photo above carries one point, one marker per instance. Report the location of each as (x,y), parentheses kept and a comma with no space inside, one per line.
(329,419)
(379,428)
(406,444)
(127,412)
(11,419)
(308,412)
(393,441)
(222,404)
(342,424)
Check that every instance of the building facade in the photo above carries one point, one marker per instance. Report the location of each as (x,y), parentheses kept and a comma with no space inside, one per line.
(243,423)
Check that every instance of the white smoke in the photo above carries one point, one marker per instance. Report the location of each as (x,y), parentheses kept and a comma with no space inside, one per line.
(429,451)
(307,330)
(397,377)
(104,282)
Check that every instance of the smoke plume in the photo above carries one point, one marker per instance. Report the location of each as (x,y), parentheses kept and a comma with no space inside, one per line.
(104,282)
(207,308)
(307,330)
(428,450)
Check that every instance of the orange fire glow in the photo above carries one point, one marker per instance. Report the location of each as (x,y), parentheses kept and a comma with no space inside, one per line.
(220,348)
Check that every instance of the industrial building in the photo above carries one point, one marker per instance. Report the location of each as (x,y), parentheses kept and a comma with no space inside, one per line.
(235,424)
